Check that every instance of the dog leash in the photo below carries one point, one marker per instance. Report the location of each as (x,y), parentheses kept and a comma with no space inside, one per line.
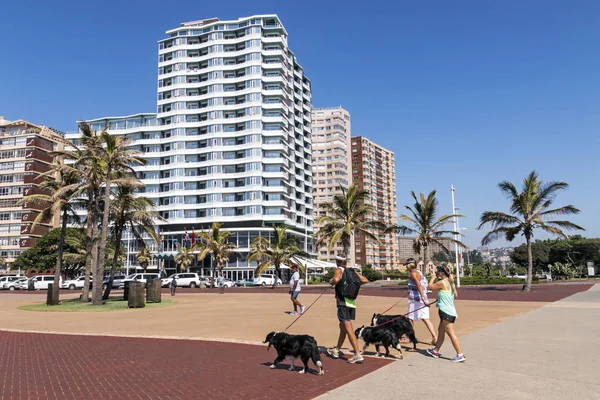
(404,315)
(308,308)
(395,304)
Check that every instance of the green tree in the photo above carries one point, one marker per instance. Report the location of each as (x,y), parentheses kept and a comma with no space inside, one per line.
(118,161)
(427,228)
(216,244)
(347,214)
(540,251)
(282,249)
(184,258)
(59,199)
(144,256)
(530,209)
(440,256)
(44,253)
(133,211)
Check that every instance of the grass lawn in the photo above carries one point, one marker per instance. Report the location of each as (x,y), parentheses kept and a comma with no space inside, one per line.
(74,305)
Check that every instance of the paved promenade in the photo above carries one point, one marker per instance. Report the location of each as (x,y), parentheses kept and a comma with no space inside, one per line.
(548,353)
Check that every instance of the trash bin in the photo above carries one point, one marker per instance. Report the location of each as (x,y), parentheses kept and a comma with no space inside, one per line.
(49,301)
(153,293)
(126,291)
(30,285)
(136,295)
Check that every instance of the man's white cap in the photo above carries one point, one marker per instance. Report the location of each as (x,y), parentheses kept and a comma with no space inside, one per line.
(340,258)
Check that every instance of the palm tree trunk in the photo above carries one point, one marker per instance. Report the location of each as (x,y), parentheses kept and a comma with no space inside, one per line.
(59,259)
(424,271)
(92,251)
(277,275)
(115,261)
(213,269)
(99,274)
(527,287)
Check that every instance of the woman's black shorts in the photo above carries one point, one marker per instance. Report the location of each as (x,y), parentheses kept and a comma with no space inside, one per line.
(446,317)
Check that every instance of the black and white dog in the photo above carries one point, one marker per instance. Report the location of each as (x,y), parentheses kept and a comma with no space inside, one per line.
(292,346)
(379,336)
(401,326)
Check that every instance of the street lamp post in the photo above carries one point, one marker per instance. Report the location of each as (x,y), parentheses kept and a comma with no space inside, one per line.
(457,237)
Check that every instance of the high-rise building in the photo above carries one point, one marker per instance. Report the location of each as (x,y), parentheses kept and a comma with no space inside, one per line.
(374,170)
(331,165)
(405,247)
(231,141)
(24,155)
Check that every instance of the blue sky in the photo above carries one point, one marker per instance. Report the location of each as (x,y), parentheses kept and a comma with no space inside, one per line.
(464,92)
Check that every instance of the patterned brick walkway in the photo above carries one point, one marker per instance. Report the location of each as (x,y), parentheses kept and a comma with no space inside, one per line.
(49,366)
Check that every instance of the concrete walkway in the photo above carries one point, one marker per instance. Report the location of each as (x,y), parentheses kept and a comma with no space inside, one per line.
(548,353)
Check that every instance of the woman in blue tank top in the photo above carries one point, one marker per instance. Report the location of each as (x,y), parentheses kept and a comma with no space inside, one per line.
(447,311)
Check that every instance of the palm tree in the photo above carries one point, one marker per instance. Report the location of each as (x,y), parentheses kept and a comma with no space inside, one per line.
(216,244)
(117,159)
(143,257)
(85,163)
(135,212)
(272,253)
(529,210)
(346,215)
(427,228)
(60,200)
(184,258)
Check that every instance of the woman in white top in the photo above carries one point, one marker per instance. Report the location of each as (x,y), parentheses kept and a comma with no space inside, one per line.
(418,303)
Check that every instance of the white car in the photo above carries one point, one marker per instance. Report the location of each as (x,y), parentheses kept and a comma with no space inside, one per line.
(42,281)
(267,279)
(183,280)
(138,278)
(5,280)
(73,284)
(16,285)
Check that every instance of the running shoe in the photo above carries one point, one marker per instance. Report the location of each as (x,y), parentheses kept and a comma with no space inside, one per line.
(294,313)
(302,310)
(459,358)
(333,352)
(431,351)
(357,359)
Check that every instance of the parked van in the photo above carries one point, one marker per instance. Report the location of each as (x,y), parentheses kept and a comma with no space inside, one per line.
(139,278)
(42,281)
(267,279)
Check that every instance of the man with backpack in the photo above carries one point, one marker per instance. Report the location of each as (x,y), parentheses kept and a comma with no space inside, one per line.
(347,283)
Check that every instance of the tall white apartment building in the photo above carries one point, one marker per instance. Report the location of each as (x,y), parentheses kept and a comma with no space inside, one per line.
(331,165)
(231,140)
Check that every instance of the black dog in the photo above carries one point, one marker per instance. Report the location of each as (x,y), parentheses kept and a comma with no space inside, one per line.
(292,346)
(401,326)
(379,336)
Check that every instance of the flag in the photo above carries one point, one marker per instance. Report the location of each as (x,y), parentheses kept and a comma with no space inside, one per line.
(185,238)
(193,237)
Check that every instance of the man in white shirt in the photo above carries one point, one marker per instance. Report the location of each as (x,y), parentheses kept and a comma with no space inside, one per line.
(295,290)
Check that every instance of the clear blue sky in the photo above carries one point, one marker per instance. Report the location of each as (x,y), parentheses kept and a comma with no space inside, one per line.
(467,92)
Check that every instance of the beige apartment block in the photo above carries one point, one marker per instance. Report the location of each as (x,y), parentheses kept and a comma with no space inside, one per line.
(24,155)
(374,170)
(331,164)
(405,247)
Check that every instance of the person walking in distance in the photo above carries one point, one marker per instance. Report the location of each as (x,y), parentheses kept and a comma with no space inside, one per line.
(295,290)
(173,286)
(221,282)
(346,311)
(447,311)
(418,303)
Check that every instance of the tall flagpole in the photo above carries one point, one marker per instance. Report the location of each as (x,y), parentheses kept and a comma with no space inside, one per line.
(456,238)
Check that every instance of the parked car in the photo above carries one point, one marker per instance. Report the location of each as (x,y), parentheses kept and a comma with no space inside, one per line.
(73,284)
(190,280)
(117,282)
(138,278)
(206,280)
(228,283)
(16,285)
(267,279)
(42,281)
(248,282)
(7,279)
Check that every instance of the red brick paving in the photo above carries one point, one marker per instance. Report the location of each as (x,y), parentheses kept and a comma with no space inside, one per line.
(49,366)
(546,292)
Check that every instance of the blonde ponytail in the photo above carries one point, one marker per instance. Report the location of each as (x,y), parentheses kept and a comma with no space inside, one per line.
(451,280)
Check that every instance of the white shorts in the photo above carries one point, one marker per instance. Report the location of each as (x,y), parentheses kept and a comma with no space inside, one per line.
(423,313)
